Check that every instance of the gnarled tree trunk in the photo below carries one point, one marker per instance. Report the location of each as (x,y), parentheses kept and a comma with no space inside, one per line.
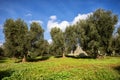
(63,55)
(24,58)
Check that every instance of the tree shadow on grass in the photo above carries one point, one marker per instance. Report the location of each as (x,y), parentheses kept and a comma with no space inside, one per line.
(38,59)
(58,56)
(75,57)
(2,59)
(5,73)
(117,68)
(78,57)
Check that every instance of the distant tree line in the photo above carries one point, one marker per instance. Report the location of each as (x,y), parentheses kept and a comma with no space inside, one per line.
(94,34)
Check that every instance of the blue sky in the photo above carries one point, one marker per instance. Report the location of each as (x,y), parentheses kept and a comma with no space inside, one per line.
(50,13)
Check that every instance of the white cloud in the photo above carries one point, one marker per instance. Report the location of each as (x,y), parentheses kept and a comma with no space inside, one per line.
(29,14)
(53,17)
(80,17)
(53,23)
(1,44)
(116,27)
(63,24)
(37,21)
(49,41)
(1,26)
(118,24)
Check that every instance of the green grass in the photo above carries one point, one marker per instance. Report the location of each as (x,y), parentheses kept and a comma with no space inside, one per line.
(61,69)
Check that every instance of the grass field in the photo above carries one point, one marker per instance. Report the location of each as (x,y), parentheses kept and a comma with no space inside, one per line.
(61,69)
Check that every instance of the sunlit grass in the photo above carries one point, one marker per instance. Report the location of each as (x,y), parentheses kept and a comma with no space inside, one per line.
(62,69)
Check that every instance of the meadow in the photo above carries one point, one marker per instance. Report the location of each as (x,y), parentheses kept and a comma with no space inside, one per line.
(61,69)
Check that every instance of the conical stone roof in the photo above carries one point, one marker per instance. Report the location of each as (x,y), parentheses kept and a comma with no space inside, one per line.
(80,52)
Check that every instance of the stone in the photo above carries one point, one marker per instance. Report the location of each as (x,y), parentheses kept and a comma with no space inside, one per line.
(79,52)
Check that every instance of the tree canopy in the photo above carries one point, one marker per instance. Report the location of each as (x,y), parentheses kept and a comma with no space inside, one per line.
(94,34)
